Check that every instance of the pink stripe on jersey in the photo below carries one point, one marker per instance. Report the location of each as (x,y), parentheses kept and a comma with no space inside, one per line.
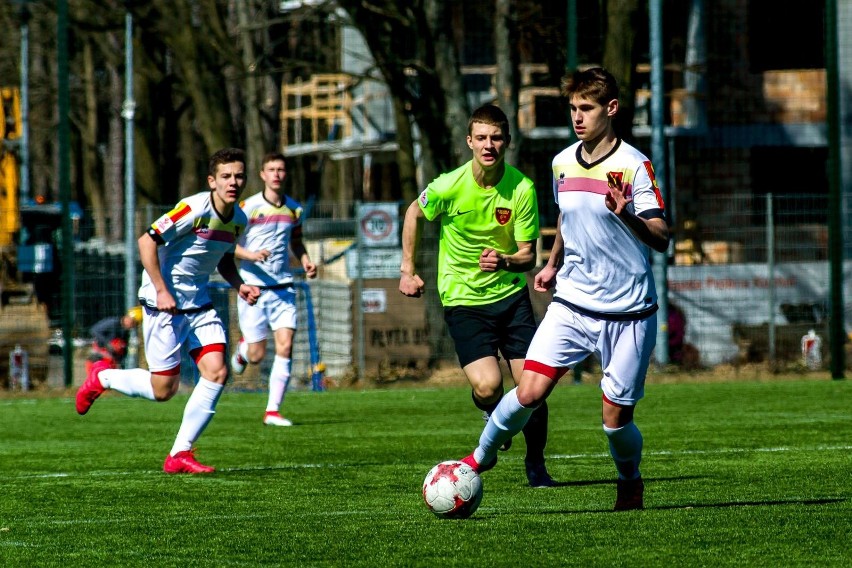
(588,185)
(281,218)
(213,235)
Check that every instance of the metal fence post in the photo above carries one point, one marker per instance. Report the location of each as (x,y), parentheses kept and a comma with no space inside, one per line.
(770,269)
(130,280)
(359,291)
(658,152)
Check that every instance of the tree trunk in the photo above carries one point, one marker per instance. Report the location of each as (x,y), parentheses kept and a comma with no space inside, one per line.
(43,109)
(190,180)
(88,126)
(114,163)
(147,82)
(505,50)
(620,57)
(447,69)
(405,154)
(255,145)
(194,51)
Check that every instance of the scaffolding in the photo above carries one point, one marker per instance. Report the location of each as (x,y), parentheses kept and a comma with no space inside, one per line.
(324,102)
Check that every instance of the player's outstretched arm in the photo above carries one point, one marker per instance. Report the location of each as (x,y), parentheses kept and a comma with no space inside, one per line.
(546,277)
(410,284)
(228,269)
(151,263)
(242,253)
(522,261)
(309,267)
(653,232)
(297,245)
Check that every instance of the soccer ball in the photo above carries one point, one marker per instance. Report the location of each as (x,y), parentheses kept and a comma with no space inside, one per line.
(452,490)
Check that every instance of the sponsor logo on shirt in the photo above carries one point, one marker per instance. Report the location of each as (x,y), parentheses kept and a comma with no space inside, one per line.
(503,214)
(168,220)
(423,199)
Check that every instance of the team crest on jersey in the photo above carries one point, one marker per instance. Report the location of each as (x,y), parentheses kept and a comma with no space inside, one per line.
(615,180)
(561,180)
(503,214)
(424,201)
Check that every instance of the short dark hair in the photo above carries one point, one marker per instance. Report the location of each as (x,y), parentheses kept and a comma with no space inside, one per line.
(272,157)
(595,83)
(225,156)
(491,115)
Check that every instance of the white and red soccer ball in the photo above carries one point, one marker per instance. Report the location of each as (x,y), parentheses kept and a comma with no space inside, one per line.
(452,490)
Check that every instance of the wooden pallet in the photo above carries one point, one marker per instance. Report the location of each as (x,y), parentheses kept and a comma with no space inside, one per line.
(26,325)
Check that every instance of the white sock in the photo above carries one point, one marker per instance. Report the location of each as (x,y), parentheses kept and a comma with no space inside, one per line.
(197,414)
(279,379)
(625,446)
(132,382)
(508,419)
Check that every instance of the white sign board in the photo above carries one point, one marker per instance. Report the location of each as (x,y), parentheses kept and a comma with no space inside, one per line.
(376,263)
(378,224)
(715,297)
(374,301)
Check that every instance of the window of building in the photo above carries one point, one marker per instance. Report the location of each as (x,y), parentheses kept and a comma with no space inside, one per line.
(785,39)
(797,176)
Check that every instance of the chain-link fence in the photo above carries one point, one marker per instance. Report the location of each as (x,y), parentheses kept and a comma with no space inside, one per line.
(749,277)
(748,141)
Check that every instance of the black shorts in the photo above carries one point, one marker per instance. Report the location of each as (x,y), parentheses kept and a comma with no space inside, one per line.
(506,326)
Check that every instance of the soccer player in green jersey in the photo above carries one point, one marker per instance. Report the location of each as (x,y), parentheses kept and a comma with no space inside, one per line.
(488,212)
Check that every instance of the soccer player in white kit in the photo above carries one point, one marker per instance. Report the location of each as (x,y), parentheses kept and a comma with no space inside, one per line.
(179,252)
(274,228)
(605,302)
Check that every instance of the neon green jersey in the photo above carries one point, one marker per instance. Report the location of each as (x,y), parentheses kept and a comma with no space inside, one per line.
(474,219)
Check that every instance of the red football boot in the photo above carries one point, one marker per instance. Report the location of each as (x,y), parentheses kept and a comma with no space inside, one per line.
(90,390)
(185,462)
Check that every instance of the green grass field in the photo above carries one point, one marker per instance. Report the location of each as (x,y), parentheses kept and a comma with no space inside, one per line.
(737,474)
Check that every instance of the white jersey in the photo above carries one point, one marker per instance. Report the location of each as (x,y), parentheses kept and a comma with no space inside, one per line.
(270,228)
(195,239)
(606,268)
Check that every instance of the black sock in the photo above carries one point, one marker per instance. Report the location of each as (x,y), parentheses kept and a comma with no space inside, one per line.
(489,408)
(535,434)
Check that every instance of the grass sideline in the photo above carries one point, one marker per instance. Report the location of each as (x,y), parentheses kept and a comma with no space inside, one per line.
(737,474)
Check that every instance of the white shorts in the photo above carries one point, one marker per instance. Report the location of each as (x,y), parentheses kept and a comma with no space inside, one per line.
(164,334)
(624,348)
(275,309)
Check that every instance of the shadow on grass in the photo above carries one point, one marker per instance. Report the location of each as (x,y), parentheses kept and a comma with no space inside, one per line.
(586,482)
(482,515)
(752,503)
(686,506)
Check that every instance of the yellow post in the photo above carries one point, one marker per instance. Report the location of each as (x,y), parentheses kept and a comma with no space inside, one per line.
(10,129)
